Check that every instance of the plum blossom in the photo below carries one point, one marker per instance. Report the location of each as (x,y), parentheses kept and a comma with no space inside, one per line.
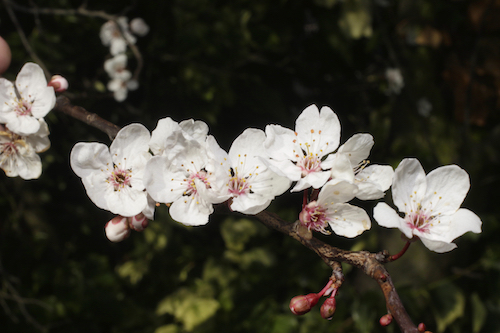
(113,178)
(431,205)
(245,177)
(395,81)
(59,83)
(18,154)
(331,210)
(22,104)
(298,155)
(116,35)
(121,78)
(139,27)
(183,172)
(350,163)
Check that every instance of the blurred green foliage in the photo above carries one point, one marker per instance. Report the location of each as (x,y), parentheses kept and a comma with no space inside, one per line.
(238,64)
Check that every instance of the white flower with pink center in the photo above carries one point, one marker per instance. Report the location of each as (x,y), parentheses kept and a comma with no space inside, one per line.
(22,104)
(18,154)
(298,155)
(113,178)
(116,34)
(431,205)
(184,176)
(350,163)
(331,210)
(244,176)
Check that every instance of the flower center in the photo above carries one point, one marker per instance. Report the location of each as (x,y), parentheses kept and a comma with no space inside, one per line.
(238,186)
(120,178)
(313,216)
(194,179)
(23,108)
(419,220)
(309,163)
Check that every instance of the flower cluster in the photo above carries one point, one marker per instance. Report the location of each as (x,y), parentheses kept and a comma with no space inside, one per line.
(23,130)
(117,35)
(182,166)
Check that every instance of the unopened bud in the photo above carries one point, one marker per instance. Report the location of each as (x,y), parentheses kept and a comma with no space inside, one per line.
(302,304)
(139,27)
(117,229)
(386,320)
(59,83)
(5,55)
(328,308)
(421,327)
(138,222)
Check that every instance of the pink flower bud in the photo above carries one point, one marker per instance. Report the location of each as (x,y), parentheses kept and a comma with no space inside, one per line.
(328,308)
(138,222)
(59,83)
(421,327)
(302,304)
(5,55)
(385,320)
(117,229)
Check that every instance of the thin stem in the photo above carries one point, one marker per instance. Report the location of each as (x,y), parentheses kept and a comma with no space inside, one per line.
(400,254)
(24,40)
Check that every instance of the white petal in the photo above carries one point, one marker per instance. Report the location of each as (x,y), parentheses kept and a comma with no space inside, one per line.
(126,202)
(337,191)
(162,180)
(347,220)
(389,218)
(87,157)
(314,179)
(190,212)
(198,129)
(32,86)
(279,143)
(409,185)
(40,140)
(321,129)
(27,166)
(447,187)
(130,145)
(341,167)
(438,246)
(22,125)
(449,227)
(373,181)
(357,148)
(165,138)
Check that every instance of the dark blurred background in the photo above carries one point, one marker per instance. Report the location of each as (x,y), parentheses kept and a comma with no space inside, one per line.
(422,76)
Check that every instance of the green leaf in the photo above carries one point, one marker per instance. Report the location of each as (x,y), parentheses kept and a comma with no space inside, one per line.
(479,313)
(448,304)
(188,308)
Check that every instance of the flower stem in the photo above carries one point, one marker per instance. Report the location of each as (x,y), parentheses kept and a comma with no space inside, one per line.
(328,285)
(397,256)
(304,200)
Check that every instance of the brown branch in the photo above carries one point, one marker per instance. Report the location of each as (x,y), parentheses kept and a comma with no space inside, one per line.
(370,263)
(64,105)
(82,10)
(24,40)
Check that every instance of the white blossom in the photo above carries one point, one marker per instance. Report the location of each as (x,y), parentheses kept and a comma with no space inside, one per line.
(182,174)
(22,104)
(116,35)
(350,163)
(139,27)
(113,178)
(430,204)
(121,78)
(298,155)
(244,175)
(331,210)
(395,80)
(18,154)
